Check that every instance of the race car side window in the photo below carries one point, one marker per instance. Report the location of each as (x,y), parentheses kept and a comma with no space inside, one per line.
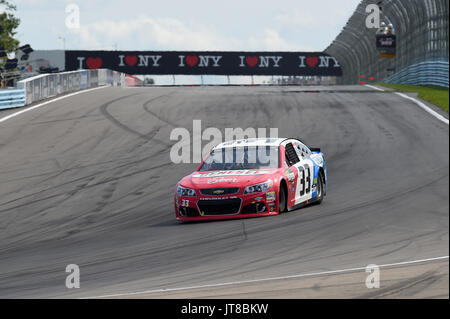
(300,151)
(291,155)
(305,150)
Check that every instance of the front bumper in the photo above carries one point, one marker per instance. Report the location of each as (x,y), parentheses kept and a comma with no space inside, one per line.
(228,207)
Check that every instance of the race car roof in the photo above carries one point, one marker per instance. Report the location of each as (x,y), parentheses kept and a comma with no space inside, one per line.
(251,142)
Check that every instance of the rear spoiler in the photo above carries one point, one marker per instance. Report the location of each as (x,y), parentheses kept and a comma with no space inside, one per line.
(315,150)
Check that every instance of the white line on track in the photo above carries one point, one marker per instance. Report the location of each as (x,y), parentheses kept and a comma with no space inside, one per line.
(419,103)
(374,87)
(47,102)
(424,107)
(331,272)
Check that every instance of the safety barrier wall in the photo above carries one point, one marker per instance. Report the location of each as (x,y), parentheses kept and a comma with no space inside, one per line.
(425,73)
(422,43)
(11,98)
(46,86)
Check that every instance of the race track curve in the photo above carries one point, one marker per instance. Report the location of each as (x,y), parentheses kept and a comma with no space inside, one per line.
(88,180)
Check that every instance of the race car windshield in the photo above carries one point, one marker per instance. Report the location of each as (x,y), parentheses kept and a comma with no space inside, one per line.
(238,158)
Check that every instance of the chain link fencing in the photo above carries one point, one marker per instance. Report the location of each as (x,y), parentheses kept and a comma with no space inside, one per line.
(422,49)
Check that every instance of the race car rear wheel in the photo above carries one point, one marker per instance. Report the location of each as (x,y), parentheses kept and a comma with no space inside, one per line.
(282,200)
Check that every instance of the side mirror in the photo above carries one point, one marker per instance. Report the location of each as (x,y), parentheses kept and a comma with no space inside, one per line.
(315,150)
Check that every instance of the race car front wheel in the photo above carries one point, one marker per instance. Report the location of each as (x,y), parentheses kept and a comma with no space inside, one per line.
(282,200)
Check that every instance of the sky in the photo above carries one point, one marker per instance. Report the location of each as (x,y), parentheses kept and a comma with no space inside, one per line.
(232,25)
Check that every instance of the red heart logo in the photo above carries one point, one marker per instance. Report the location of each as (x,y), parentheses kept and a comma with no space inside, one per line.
(94,63)
(312,61)
(252,61)
(131,60)
(192,60)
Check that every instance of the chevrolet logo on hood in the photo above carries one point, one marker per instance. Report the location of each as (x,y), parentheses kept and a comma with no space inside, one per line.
(219,192)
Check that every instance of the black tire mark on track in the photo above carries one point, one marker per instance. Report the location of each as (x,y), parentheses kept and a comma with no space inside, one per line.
(147,137)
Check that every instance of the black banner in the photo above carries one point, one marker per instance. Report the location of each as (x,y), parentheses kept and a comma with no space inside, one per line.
(227,308)
(206,63)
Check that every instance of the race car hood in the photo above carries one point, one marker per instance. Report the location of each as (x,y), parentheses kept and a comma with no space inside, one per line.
(227,178)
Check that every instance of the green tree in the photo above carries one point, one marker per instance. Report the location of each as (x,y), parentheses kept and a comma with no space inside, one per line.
(8,25)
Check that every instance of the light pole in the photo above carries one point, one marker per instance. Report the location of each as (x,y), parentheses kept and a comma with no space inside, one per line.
(64,42)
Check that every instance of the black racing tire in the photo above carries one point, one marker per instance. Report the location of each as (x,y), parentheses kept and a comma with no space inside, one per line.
(282,201)
(320,189)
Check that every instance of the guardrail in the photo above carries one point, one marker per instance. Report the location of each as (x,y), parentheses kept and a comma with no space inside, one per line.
(12,98)
(425,73)
(45,86)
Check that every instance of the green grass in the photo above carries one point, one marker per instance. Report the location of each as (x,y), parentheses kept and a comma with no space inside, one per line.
(434,94)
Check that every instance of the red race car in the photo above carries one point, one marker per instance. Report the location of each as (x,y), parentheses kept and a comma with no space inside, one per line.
(252,178)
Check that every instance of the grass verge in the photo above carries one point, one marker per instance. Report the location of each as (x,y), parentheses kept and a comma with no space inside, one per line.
(434,94)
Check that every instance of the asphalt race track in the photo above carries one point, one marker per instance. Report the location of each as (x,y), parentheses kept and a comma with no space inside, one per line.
(88,180)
